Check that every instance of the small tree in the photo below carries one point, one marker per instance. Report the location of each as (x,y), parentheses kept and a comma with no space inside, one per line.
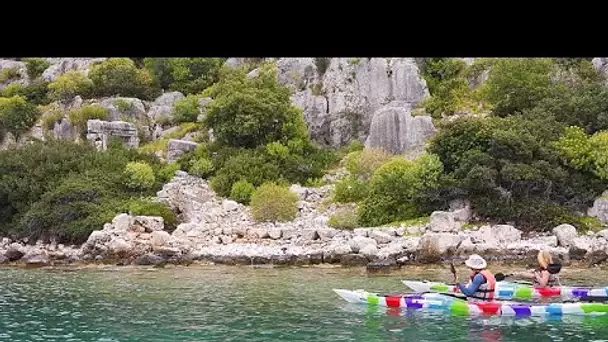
(272,202)
(69,85)
(138,176)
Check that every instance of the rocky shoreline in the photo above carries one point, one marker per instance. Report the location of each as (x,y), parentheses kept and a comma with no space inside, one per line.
(222,231)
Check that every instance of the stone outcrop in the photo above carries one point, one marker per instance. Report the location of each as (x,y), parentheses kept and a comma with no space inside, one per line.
(125,108)
(60,66)
(162,107)
(340,103)
(175,148)
(16,70)
(100,132)
(395,130)
(600,208)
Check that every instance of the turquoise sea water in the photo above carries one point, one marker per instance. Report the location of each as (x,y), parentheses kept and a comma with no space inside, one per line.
(214,303)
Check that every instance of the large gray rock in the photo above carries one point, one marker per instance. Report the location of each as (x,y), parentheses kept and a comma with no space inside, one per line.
(64,130)
(394,129)
(60,66)
(36,256)
(600,208)
(442,222)
(438,243)
(498,235)
(296,73)
(163,105)
(175,148)
(100,133)
(20,72)
(122,108)
(357,243)
(565,234)
(339,105)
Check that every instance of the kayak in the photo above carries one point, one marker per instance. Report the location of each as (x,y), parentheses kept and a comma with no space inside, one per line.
(512,290)
(457,306)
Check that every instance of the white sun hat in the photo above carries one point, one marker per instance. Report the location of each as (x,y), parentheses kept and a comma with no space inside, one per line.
(476,262)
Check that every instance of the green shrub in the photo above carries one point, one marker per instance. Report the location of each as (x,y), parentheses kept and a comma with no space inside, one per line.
(9,74)
(272,202)
(79,117)
(350,190)
(69,85)
(252,112)
(583,152)
(396,188)
(139,176)
(35,93)
(346,219)
(123,105)
(35,67)
(241,191)
(362,164)
(186,75)
(186,109)
(161,144)
(17,116)
(149,207)
(121,77)
(160,69)
(167,172)
(51,119)
(201,167)
(517,84)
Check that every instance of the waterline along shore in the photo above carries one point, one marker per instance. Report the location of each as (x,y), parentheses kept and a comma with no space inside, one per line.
(222,231)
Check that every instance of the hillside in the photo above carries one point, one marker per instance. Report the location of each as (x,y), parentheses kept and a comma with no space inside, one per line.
(516,142)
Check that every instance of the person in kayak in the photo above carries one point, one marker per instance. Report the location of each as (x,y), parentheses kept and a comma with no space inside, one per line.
(482,283)
(546,273)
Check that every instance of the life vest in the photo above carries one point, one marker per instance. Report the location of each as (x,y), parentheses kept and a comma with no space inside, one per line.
(487,288)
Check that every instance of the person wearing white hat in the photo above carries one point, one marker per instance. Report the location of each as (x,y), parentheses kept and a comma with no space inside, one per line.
(482,283)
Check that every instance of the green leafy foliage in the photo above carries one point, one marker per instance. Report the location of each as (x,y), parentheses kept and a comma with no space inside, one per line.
(9,74)
(512,169)
(17,116)
(273,202)
(201,167)
(139,176)
(149,207)
(69,85)
(63,189)
(397,187)
(35,67)
(344,219)
(350,189)
(35,93)
(167,172)
(251,112)
(79,117)
(517,84)
(121,77)
(186,109)
(363,163)
(186,75)
(241,191)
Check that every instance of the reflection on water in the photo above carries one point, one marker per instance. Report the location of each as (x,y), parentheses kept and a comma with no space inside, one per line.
(246,304)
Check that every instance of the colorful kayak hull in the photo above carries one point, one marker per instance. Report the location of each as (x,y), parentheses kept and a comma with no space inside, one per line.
(455,306)
(509,290)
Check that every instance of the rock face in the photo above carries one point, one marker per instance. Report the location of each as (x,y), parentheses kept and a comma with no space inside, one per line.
(122,108)
(13,72)
(341,96)
(163,105)
(600,208)
(394,129)
(100,133)
(565,234)
(175,148)
(60,66)
(601,64)
(443,221)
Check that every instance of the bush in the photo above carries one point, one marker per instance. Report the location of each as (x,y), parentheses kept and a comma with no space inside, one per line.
(201,167)
(49,120)
(345,219)
(35,93)
(79,117)
(9,74)
(120,77)
(167,172)
(35,67)
(139,176)
(241,191)
(252,112)
(583,152)
(272,202)
(149,207)
(193,75)
(61,176)
(17,116)
(517,84)
(186,109)
(350,190)
(514,169)
(396,188)
(69,85)
(362,164)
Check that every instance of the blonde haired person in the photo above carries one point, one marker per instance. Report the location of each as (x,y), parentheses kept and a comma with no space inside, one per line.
(546,273)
